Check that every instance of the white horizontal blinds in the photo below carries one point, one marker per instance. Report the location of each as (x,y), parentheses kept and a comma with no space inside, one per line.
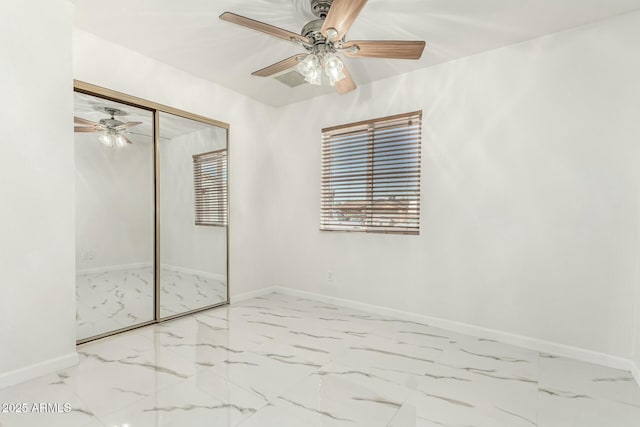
(371,175)
(210,185)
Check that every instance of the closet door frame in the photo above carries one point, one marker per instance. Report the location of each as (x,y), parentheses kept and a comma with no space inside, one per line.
(156,109)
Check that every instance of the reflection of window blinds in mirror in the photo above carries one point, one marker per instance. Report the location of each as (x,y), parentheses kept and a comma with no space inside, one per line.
(210,185)
(371,175)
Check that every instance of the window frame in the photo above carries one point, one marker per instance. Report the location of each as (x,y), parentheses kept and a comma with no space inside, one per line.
(371,136)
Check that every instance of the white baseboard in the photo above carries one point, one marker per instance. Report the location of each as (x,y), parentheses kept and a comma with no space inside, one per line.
(478,331)
(38,369)
(253,294)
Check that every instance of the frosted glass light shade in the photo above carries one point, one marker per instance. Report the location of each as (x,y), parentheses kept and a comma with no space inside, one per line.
(311,70)
(333,67)
(107,139)
(120,141)
(315,77)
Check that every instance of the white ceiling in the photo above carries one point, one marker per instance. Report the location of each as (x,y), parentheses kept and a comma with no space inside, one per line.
(187,34)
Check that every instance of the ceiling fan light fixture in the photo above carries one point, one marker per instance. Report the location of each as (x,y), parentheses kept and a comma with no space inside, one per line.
(120,141)
(310,68)
(107,140)
(333,67)
(315,77)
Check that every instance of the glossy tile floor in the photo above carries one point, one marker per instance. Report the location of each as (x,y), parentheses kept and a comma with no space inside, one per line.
(112,300)
(280,361)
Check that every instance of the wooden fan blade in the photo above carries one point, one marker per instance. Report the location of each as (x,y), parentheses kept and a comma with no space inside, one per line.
(85,129)
(341,16)
(285,64)
(392,49)
(262,27)
(82,121)
(347,84)
(127,125)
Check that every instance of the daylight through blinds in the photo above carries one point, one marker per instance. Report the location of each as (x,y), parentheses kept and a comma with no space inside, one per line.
(371,175)
(210,185)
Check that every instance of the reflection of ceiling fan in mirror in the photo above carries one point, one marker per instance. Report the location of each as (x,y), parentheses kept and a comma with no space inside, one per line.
(324,40)
(112,129)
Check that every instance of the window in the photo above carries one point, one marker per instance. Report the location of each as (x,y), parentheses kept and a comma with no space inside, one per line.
(210,185)
(371,175)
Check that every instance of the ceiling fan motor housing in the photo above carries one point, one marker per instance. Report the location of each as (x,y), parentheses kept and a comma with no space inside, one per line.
(320,8)
(312,31)
(319,43)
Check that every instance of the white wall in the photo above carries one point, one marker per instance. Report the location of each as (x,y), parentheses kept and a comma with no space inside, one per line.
(636,337)
(529,192)
(184,244)
(105,64)
(114,203)
(36,190)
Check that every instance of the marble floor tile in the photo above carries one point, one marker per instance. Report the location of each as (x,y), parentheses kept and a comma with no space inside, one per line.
(278,416)
(294,354)
(267,376)
(405,417)
(575,393)
(49,389)
(116,347)
(118,371)
(367,379)
(184,404)
(283,361)
(195,339)
(391,359)
(433,409)
(597,382)
(327,400)
(558,408)
(226,392)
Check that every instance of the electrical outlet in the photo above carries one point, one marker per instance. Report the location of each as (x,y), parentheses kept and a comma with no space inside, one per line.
(329,276)
(91,255)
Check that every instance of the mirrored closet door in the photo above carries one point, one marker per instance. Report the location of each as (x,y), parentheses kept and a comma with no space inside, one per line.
(114,170)
(151,212)
(193,215)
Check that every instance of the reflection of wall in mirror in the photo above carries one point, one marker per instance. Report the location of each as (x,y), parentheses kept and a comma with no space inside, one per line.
(114,204)
(185,245)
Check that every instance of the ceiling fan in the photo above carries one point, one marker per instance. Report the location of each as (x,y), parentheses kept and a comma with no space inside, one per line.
(324,39)
(112,128)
